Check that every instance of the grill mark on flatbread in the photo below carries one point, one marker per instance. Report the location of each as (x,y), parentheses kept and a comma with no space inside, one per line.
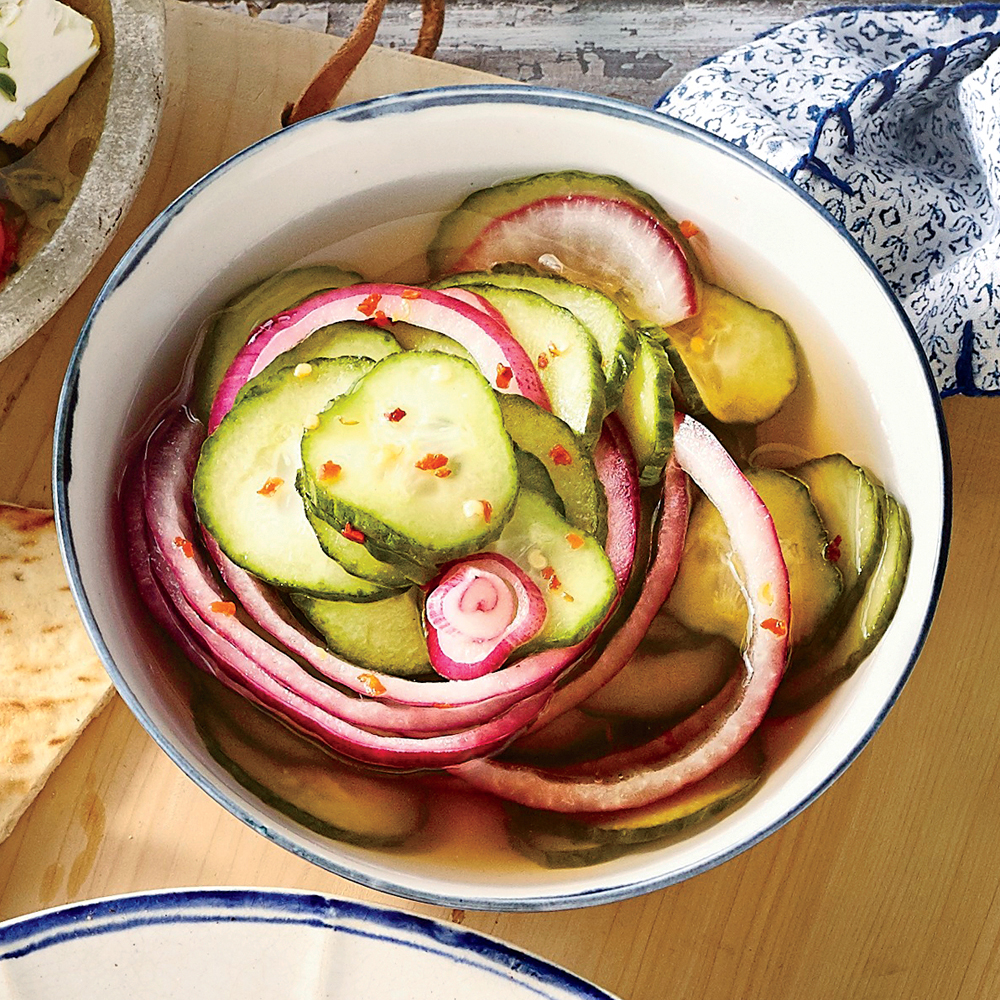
(51,680)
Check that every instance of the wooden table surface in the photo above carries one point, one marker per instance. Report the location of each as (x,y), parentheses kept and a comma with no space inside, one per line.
(887,887)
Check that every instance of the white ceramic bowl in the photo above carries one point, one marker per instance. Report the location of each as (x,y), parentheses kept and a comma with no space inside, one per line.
(370,182)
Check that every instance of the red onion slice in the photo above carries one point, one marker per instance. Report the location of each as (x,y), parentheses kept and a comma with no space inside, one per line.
(490,343)
(660,767)
(478,611)
(611,245)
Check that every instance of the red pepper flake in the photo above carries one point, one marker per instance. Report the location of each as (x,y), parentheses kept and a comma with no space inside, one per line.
(443,473)
(372,684)
(394,416)
(185,546)
(431,461)
(381,320)
(575,541)
(543,361)
(270,486)
(367,306)
(548,573)
(560,455)
(554,582)
(487,510)
(411,293)
(778,627)
(352,534)
(504,375)
(688,229)
(833,552)
(329,470)
(223,608)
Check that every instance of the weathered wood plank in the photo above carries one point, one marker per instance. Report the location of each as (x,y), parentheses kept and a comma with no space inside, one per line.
(618,48)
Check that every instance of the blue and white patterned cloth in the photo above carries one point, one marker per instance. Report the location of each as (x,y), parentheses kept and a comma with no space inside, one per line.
(889,117)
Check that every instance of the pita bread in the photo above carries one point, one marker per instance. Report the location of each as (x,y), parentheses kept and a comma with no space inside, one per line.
(51,680)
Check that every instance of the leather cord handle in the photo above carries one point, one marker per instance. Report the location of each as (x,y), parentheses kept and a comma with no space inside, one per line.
(327,84)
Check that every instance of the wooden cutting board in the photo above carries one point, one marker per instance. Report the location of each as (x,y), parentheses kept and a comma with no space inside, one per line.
(229,79)
(887,887)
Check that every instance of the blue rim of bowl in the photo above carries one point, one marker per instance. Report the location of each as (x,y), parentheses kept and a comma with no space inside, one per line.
(77,922)
(422,100)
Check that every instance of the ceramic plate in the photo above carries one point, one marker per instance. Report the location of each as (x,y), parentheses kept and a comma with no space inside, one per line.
(81,178)
(263,944)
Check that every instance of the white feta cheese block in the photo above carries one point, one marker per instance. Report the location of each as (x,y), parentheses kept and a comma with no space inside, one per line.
(49,47)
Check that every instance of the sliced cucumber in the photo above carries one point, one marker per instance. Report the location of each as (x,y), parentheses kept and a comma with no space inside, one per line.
(569,465)
(231,328)
(647,410)
(244,485)
(807,682)
(569,566)
(740,359)
(569,738)
(566,355)
(323,794)
(384,635)
(657,685)
(416,338)
(532,475)
(849,506)
(340,340)
(724,787)
(426,476)
(599,315)
(566,840)
(358,561)
(707,594)
(551,850)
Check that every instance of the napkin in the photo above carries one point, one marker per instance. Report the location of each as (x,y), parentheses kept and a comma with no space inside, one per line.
(889,117)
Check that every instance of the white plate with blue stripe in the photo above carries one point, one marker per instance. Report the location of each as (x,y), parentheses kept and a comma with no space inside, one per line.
(249,944)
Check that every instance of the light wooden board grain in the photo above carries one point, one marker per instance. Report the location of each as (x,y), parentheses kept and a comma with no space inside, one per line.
(886,888)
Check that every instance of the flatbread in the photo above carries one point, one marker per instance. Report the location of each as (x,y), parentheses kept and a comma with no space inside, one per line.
(51,680)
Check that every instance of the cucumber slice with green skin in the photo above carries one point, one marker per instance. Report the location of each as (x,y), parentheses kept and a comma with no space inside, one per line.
(570,466)
(850,508)
(415,458)
(571,373)
(231,328)
(358,561)
(647,410)
(657,685)
(383,635)
(605,322)
(349,339)
(459,228)
(740,359)
(806,683)
(569,566)
(732,782)
(550,850)
(532,475)
(321,794)
(244,488)
(708,595)
(415,338)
